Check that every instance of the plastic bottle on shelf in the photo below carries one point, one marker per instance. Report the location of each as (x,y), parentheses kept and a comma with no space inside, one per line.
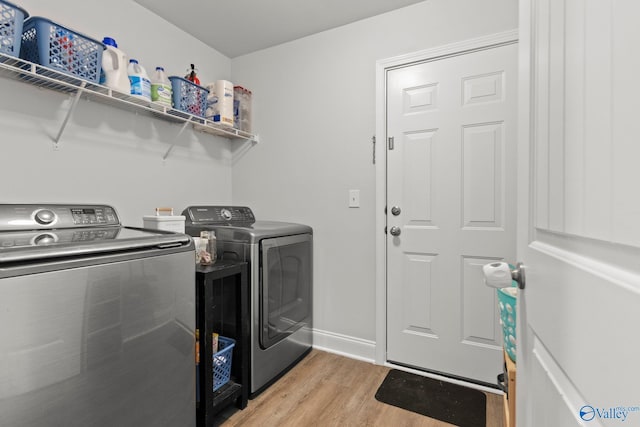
(114,67)
(242,109)
(161,88)
(192,76)
(194,97)
(140,83)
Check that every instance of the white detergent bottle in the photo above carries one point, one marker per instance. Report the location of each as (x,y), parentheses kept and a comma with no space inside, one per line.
(114,67)
(140,83)
(161,88)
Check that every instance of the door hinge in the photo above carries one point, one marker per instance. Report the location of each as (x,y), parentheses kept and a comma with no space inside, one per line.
(373,141)
(390,139)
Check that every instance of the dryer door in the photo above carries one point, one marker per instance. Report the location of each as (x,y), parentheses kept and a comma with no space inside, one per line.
(285,287)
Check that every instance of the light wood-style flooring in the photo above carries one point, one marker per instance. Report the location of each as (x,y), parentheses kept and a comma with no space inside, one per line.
(325,389)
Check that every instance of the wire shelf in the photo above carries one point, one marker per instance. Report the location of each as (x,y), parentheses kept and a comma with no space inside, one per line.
(48,78)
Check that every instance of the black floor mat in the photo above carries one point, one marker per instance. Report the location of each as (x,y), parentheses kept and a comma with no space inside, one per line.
(452,403)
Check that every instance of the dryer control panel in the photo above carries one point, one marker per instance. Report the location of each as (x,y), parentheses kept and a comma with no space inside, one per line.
(219,215)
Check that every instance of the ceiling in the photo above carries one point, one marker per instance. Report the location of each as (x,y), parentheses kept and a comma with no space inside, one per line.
(238,27)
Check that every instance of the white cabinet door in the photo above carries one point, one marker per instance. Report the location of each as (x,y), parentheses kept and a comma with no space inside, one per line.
(578,357)
(451,194)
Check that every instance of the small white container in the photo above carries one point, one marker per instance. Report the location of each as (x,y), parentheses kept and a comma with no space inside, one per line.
(173,223)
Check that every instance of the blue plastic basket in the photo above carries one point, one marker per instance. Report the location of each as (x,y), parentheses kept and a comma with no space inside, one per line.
(11,21)
(188,96)
(507,304)
(222,362)
(55,46)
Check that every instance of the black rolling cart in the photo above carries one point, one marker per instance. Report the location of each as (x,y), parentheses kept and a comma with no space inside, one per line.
(222,306)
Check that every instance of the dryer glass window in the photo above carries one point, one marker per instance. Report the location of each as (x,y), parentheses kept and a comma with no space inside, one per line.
(285,287)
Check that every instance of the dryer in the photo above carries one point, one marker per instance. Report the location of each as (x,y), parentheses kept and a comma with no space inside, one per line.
(280,258)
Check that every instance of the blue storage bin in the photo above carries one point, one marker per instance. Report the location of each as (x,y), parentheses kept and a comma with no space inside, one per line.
(11,21)
(188,96)
(222,362)
(55,46)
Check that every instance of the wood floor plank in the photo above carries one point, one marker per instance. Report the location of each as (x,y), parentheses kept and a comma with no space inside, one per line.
(326,389)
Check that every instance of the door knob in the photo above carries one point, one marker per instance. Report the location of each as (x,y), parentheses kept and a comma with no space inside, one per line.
(396,210)
(518,275)
(500,275)
(395,231)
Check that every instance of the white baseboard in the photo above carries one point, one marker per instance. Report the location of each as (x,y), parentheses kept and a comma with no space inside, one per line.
(344,345)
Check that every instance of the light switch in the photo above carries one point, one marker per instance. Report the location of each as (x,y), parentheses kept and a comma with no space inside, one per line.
(354,198)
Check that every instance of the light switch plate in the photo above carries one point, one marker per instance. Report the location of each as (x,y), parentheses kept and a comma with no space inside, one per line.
(354,198)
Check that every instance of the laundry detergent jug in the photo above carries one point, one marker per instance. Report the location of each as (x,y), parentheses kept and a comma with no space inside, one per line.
(114,67)
(161,92)
(139,79)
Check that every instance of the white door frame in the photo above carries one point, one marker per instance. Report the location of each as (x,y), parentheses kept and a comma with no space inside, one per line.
(382,67)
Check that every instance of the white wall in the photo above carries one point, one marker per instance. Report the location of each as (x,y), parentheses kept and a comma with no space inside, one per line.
(108,155)
(314,109)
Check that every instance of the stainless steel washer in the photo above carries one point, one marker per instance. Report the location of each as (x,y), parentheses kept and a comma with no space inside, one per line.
(97,320)
(281,279)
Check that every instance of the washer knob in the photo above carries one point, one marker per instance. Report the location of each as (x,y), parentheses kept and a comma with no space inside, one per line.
(226,214)
(45,217)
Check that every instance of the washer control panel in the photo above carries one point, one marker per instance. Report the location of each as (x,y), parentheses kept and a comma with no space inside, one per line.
(97,215)
(219,215)
(36,217)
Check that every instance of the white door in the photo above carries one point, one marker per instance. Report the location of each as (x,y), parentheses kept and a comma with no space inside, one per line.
(451,195)
(578,358)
